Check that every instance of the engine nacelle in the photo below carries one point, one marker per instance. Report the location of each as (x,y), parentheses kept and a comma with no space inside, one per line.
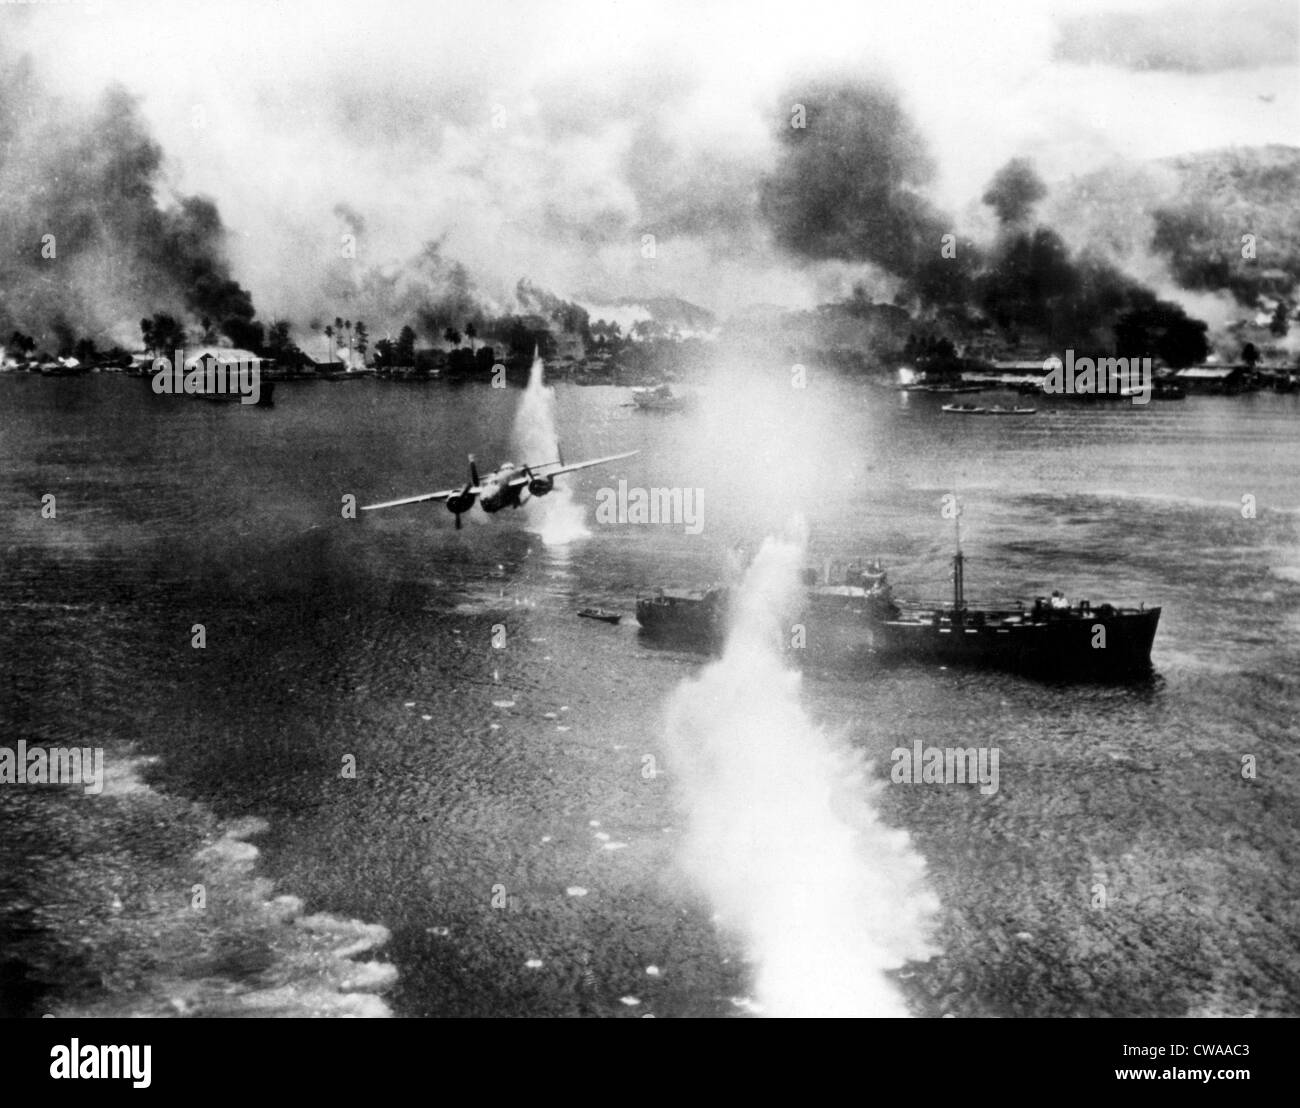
(461,502)
(540,486)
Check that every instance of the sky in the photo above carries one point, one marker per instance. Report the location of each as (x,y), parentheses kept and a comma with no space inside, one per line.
(545,140)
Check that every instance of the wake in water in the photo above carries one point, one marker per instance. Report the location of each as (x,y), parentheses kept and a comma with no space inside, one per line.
(783,835)
(556,517)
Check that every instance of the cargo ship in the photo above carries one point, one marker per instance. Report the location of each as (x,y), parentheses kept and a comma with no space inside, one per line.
(1050,638)
(840,609)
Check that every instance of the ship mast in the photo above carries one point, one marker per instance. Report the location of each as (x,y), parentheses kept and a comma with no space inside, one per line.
(958,585)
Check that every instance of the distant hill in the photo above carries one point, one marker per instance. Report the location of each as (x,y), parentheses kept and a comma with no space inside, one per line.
(1191,212)
(1224,196)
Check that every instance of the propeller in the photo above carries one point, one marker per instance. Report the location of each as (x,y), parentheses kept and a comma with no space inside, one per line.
(538,486)
(463,501)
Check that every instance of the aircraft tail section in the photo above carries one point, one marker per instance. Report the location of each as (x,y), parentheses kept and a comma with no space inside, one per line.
(473,472)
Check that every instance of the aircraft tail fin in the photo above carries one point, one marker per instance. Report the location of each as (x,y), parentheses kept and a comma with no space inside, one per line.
(473,472)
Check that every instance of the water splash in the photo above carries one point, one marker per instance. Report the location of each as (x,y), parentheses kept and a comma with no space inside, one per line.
(783,833)
(556,517)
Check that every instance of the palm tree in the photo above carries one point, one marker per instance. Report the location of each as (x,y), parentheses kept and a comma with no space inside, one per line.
(452,336)
(329,334)
(348,324)
(471,333)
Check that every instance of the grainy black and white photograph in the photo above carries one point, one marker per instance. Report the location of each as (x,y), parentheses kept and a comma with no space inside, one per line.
(648,509)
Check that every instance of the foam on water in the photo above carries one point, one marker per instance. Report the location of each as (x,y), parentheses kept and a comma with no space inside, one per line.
(783,834)
(201,933)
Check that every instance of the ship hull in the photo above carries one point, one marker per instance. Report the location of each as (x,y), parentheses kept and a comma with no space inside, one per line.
(1077,644)
(832,621)
(693,625)
(1110,645)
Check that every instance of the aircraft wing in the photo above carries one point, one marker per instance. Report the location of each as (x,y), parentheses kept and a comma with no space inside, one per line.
(423,496)
(552,469)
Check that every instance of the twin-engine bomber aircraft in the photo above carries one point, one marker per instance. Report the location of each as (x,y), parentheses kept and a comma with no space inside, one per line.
(504,487)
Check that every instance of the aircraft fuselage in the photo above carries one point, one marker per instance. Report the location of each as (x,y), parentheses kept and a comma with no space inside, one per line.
(497,491)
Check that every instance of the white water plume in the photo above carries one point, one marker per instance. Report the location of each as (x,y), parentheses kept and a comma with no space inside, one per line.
(782,829)
(556,517)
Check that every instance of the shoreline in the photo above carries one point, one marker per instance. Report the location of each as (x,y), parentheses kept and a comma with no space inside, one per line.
(113,930)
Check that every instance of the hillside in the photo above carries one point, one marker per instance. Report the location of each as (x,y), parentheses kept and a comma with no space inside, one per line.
(1191,213)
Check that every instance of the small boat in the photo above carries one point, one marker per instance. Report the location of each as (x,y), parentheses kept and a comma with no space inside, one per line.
(602,614)
(661,399)
(998,409)
(965,409)
(952,388)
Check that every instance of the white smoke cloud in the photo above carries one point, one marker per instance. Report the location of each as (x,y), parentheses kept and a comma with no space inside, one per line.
(543,140)
(782,832)
(557,517)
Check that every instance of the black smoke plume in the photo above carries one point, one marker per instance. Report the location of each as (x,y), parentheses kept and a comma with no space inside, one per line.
(1014,191)
(88,248)
(847,184)
(1033,285)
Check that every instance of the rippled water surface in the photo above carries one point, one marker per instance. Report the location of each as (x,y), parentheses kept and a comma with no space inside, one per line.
(501,825)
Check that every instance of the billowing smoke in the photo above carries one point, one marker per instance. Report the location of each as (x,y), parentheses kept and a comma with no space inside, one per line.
(536,167)
(1014,191)
(1182,225)
(1033,283)
(849,184)
(90,249)
(435,294)
(782,832)
(569,316)
(1232,226)
(849,179)
(428,291)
